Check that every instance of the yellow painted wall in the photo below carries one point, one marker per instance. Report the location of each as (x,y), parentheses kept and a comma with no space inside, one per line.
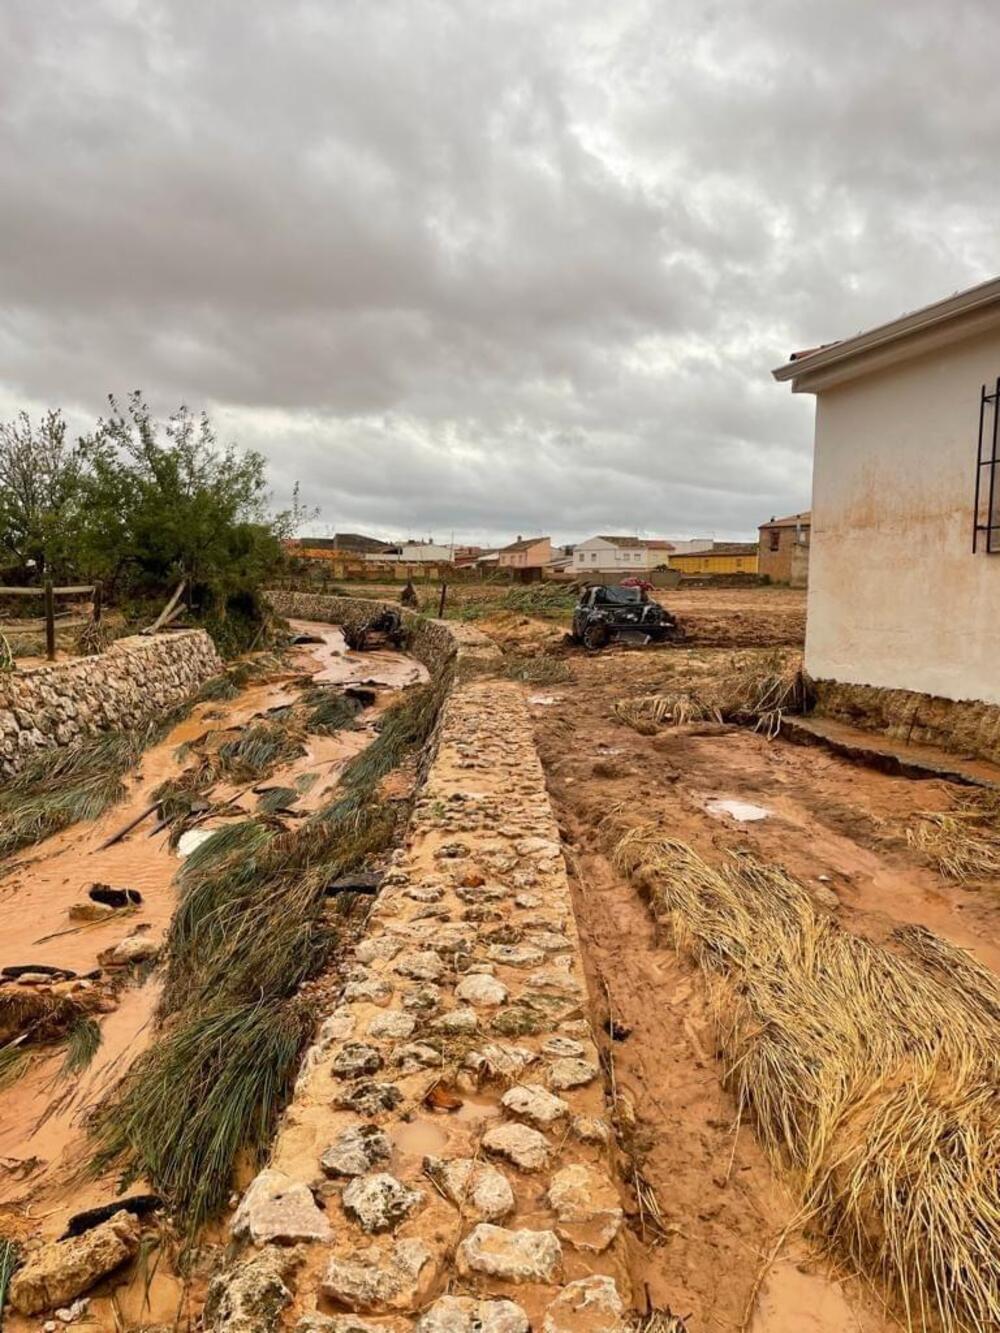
(706,562)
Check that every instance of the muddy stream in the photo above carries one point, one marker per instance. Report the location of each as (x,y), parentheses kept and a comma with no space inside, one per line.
(44,1147)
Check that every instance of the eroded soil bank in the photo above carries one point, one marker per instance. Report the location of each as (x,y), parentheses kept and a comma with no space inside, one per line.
(836,827)
(44,1149)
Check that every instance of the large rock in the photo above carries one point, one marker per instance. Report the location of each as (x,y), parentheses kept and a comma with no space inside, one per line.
(456,1022)
(532,1102)
(135,949)
(356,1150)
(465,1314)
(421,965)
(587,1206)
(58,1273)
(381,1279)
(520,1145)
(355,1059)
(251,1296)
(511,1256)
(477,1188)
(589,1305)
(482,991)
(379,1202)
(393,1024)
(369,1098)
(571,1073)
(277,1209)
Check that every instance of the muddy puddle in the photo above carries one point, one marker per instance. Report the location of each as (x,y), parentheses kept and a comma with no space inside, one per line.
(43,1142)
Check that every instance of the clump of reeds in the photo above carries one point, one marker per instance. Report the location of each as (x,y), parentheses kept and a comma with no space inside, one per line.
(9,1259)
(83,1041)
(208,1091)
(64,785)
(537,670)
(963,842)
(329,709)
(872,1073)
(754,690)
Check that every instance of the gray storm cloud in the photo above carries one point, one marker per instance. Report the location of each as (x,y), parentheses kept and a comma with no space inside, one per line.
(486,268)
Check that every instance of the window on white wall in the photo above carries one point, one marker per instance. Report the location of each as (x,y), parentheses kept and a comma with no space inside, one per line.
(986,521)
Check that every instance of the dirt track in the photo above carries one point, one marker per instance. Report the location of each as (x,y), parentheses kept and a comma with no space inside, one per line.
(837,827)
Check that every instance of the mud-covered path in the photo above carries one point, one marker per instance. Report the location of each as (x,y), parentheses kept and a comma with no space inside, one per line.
(831,824)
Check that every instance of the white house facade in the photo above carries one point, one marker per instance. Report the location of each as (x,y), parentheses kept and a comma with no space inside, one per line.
(904,583)
(615,555)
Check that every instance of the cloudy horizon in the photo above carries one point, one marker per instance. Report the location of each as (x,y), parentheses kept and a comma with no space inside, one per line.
(486,269)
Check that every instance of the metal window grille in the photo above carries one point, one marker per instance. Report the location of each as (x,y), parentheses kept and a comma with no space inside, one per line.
(986,530)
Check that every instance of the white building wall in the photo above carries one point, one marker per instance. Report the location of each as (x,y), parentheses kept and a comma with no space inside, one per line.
(896,596)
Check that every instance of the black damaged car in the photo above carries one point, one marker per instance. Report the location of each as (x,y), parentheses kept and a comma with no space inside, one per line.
(609,613)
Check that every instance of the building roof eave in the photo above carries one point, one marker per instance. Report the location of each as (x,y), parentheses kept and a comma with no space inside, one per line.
(943,321)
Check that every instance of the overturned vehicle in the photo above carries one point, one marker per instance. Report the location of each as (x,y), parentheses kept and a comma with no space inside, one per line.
(617,614)
(385,629)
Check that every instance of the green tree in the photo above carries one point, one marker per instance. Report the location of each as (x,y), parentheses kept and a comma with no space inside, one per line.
(171,503)
(41,477)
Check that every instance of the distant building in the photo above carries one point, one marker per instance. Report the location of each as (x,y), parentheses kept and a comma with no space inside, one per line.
(526,553)
(784,549)
(722,558)
(414,553)
(357,543)
(606,556)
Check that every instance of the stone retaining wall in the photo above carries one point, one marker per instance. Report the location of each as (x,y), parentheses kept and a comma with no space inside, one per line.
(436,643)
(136,680)
(447,1160)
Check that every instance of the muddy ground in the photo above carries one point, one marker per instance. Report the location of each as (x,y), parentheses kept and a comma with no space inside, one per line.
(753,616)
(841,829)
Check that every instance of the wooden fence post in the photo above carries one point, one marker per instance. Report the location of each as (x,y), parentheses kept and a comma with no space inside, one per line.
(50,622)
(98,599)
(444,593)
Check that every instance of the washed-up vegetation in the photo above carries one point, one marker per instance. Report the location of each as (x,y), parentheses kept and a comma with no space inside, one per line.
(751,691)
(870,1072)
(553,601)
(9,1258)
(963,842)
(65,785)
(539,669)
(253,923)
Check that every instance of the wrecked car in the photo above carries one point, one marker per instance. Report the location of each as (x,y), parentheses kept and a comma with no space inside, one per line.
(609,613)
(383,630)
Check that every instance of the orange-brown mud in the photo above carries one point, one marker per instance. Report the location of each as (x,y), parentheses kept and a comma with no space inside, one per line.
(43,1142)
(830,823)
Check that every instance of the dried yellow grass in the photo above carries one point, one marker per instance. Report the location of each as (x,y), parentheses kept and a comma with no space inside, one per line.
(753,691)
(871,1072)
(964,842)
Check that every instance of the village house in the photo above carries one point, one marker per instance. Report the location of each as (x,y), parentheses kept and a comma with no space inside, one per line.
(620,555)
(904,580)
(784,550)
(526,553)
(719,558)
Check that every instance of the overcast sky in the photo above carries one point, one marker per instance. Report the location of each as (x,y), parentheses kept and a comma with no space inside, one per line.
(487,268)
